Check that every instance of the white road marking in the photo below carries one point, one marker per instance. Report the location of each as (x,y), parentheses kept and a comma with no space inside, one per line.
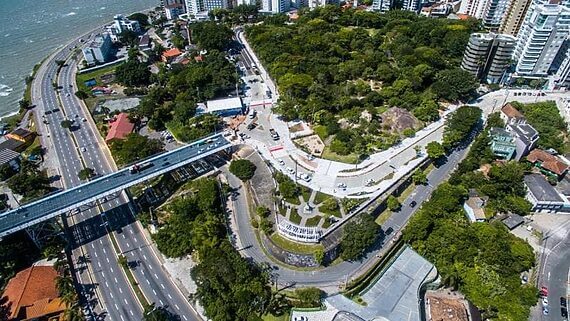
(108,260)
(99,264)
(131,312)
(116,280)
(96,254)
(153,291)
(111,294)
(126,301)
(177,307)
(111,269)
(169,296)
(145,258)
(147,281)
(156,276)
(161,303)
(121,290)
(162,286)
(185,318)
(106,284)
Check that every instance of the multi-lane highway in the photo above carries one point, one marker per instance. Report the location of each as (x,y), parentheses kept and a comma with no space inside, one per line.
(69,152)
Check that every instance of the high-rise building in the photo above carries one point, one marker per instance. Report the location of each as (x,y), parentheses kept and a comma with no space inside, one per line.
(562,64)
(275,6)
(412,5)
(543,33)
(381,5)
(120,24)
(514,17)
(195,7)
(488,56)
(491,12)
(319,3)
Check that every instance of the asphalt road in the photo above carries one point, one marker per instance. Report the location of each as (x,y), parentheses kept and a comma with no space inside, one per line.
(336,275)
(106,284)
(555,271)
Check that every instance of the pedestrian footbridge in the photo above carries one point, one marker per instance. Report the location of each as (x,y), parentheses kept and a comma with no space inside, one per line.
(68,200)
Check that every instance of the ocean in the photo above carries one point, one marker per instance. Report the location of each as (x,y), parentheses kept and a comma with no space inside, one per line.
(32,29)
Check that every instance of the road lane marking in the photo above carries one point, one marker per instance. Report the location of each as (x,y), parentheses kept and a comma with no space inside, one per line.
(147,281)
(126,302)
(121,290)
(116,280)
(111,269)
(111,294)
(177,307)
(162,286)
(131,312)
(99,264)
(153,291)
(108,260)
(161,303)
(169,296)
(185,318)
(156,276)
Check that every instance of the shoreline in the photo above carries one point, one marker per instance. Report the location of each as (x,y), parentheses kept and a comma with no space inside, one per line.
(13,112)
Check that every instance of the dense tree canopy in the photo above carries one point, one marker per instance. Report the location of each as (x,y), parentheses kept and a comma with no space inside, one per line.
(460,124)
(211,35)
(29,182)
(133,73)
(134,147)
(546,119)
(483,260)
(357,237)
(334,64)
(242,168)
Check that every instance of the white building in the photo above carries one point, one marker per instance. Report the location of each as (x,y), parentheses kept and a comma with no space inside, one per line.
(562,77)
(275,6)
(98,50)
(540,38)
(173,11)
(199,7)
(381,5)
(412,5)
(120,24)
(492,12)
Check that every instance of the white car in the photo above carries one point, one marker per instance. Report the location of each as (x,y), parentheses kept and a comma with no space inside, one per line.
(290,170)
(281,162)
(545,301)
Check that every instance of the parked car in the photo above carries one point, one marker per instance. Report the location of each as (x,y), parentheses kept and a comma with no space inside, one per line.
(563,302)
(413,204)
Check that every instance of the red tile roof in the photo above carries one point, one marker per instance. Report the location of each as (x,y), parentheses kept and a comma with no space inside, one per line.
(511,111)
(171,53)
(547,161)
(32,293)
(120,128)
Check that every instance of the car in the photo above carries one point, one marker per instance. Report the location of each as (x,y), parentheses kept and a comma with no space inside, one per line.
(281,162)
(251,126)
(83,119)
(83,149)
(563,302)
(545,301)
(543,291)
(310,157)
(545,310)
(413,204)
(301,318)
(524,279)
(564,312)
(67,95)
(369,182)
(290,170)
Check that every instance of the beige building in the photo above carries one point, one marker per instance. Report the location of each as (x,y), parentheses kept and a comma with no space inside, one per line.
(514,17)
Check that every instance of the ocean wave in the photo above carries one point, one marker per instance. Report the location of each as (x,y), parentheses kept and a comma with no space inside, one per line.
(7,35)
(72,13)
(102,8)
(5,90)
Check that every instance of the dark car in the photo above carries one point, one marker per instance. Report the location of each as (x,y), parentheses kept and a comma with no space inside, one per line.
(563,302)
(413,204)
(564,312)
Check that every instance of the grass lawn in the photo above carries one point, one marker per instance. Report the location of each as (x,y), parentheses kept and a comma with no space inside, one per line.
(30,148)
(320,197)
(282,210)
(295,217)
(313,221)
(326,223)
(294,246)
(321,131)
(293,200)
(402,197)
(349,159)
(305,192)
(383,217)
(271,317)
(335,213)
(82,78)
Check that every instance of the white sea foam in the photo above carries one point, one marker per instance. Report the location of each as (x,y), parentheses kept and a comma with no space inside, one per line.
(72,13)
(7,35)
(5,90)
(102,8)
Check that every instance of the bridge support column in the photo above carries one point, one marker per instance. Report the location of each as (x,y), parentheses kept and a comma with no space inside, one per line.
(45,231)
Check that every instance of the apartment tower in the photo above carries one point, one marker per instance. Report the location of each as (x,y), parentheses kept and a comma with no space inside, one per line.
(488,56)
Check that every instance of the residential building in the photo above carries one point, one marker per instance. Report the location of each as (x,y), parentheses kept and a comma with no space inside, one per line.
(169,55)
(561,79)
(22,135)
(381,5)
(199,7)
(494,13)
(514,17)
(275,6)
(543,196)
(510,115)
(525,138)
(548,163)
(474,207)
(145,43)
(222,107)
(12,144)
(120,24)
(502,143)
(541,36)
(173,11)
(488,56)
(319,3)
(120,127)
(32,295)
(512,221)
(98,50)
(10,158)
(437,9)
(412,5)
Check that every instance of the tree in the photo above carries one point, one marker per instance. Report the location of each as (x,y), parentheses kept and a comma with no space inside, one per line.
(6,171)
(454,84)
(141,18)
(262,211)
(460,125)
(123,261)
(67,124)
(419,177)
(243,169)
(357,236)
(133,73)
(60,63)
(329,205)
(24,103)
(211,35)
(154,313)
(309,297)
(128,38)
(435,150)
(86,173)
(81,94)
(319,256)
(393,203)
(134,147)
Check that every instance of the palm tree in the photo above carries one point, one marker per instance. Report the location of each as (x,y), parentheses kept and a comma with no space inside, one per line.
(64,285)
(73,314)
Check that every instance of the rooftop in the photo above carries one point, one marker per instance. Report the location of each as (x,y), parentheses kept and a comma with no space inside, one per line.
(224,104)
(541,189)
(7,155)
(513,220)
(525,132)
(442,306)
(547,161)
(171,53)
(511,112)
(32,293)
(98,40)
(22,132)
(120,128)
(477,204)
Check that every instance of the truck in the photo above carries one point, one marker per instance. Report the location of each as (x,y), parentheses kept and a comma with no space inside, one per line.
(137,168)
(273,134)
